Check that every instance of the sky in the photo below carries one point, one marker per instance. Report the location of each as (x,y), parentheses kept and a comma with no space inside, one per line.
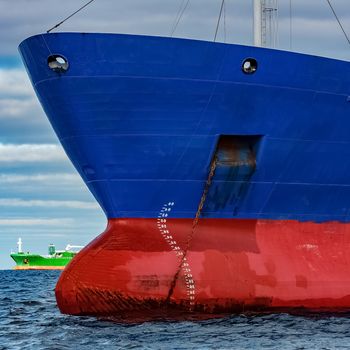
(42,199)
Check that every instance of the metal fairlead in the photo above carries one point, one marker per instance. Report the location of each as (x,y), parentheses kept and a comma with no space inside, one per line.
(58,63)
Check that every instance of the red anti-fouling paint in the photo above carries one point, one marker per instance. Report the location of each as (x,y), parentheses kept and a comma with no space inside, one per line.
(231,266)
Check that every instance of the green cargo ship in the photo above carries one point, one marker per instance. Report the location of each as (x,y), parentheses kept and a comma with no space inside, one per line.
(55,260)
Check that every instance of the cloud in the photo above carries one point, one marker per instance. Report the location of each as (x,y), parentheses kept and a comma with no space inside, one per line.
(21,116)
(31,153)
(16,107)
(16,202)
(36,222)
(63,178)
(15,82)
(54,184)
(21,19)
(17,98)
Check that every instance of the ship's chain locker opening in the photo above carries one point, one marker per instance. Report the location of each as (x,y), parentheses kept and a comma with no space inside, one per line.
(236,164)
(236,156)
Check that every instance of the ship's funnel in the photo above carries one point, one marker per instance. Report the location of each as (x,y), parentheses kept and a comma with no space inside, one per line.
(52,249)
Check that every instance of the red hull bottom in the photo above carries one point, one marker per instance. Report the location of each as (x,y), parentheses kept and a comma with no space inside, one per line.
(231,266)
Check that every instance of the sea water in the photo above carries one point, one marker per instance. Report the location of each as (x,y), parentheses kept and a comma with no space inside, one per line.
(29,319)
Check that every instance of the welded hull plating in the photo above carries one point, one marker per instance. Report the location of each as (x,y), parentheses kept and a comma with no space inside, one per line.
(233,266)
(143,119)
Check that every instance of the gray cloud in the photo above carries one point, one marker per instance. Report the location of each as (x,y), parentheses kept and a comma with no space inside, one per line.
(63,178)
(31,153)
(18,202)
(315,29)
(21,116)
(35,221)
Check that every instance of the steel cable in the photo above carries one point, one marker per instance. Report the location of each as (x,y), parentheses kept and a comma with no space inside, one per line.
(338,20)
(179,18)
(219,19)
(70,16)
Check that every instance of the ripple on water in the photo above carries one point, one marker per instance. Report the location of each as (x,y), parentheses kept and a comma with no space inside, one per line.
(29,319)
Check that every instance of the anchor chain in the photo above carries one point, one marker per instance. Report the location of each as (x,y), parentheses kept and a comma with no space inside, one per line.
(194,225)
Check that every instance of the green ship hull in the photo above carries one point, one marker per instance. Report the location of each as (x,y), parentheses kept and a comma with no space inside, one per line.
(27,261)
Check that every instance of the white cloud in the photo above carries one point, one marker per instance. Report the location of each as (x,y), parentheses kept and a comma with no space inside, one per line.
(31,153)
(17,202)
(17,97)
(35,222)
(16,107)
(15,82)
(65,178)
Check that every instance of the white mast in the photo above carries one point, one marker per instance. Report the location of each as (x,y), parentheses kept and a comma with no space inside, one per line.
(265,23)
(19,245)
(257,23)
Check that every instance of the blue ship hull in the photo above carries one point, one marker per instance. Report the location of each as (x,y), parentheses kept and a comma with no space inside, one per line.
(142,119)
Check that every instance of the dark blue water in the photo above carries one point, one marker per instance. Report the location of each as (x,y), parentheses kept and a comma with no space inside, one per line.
(29,319)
